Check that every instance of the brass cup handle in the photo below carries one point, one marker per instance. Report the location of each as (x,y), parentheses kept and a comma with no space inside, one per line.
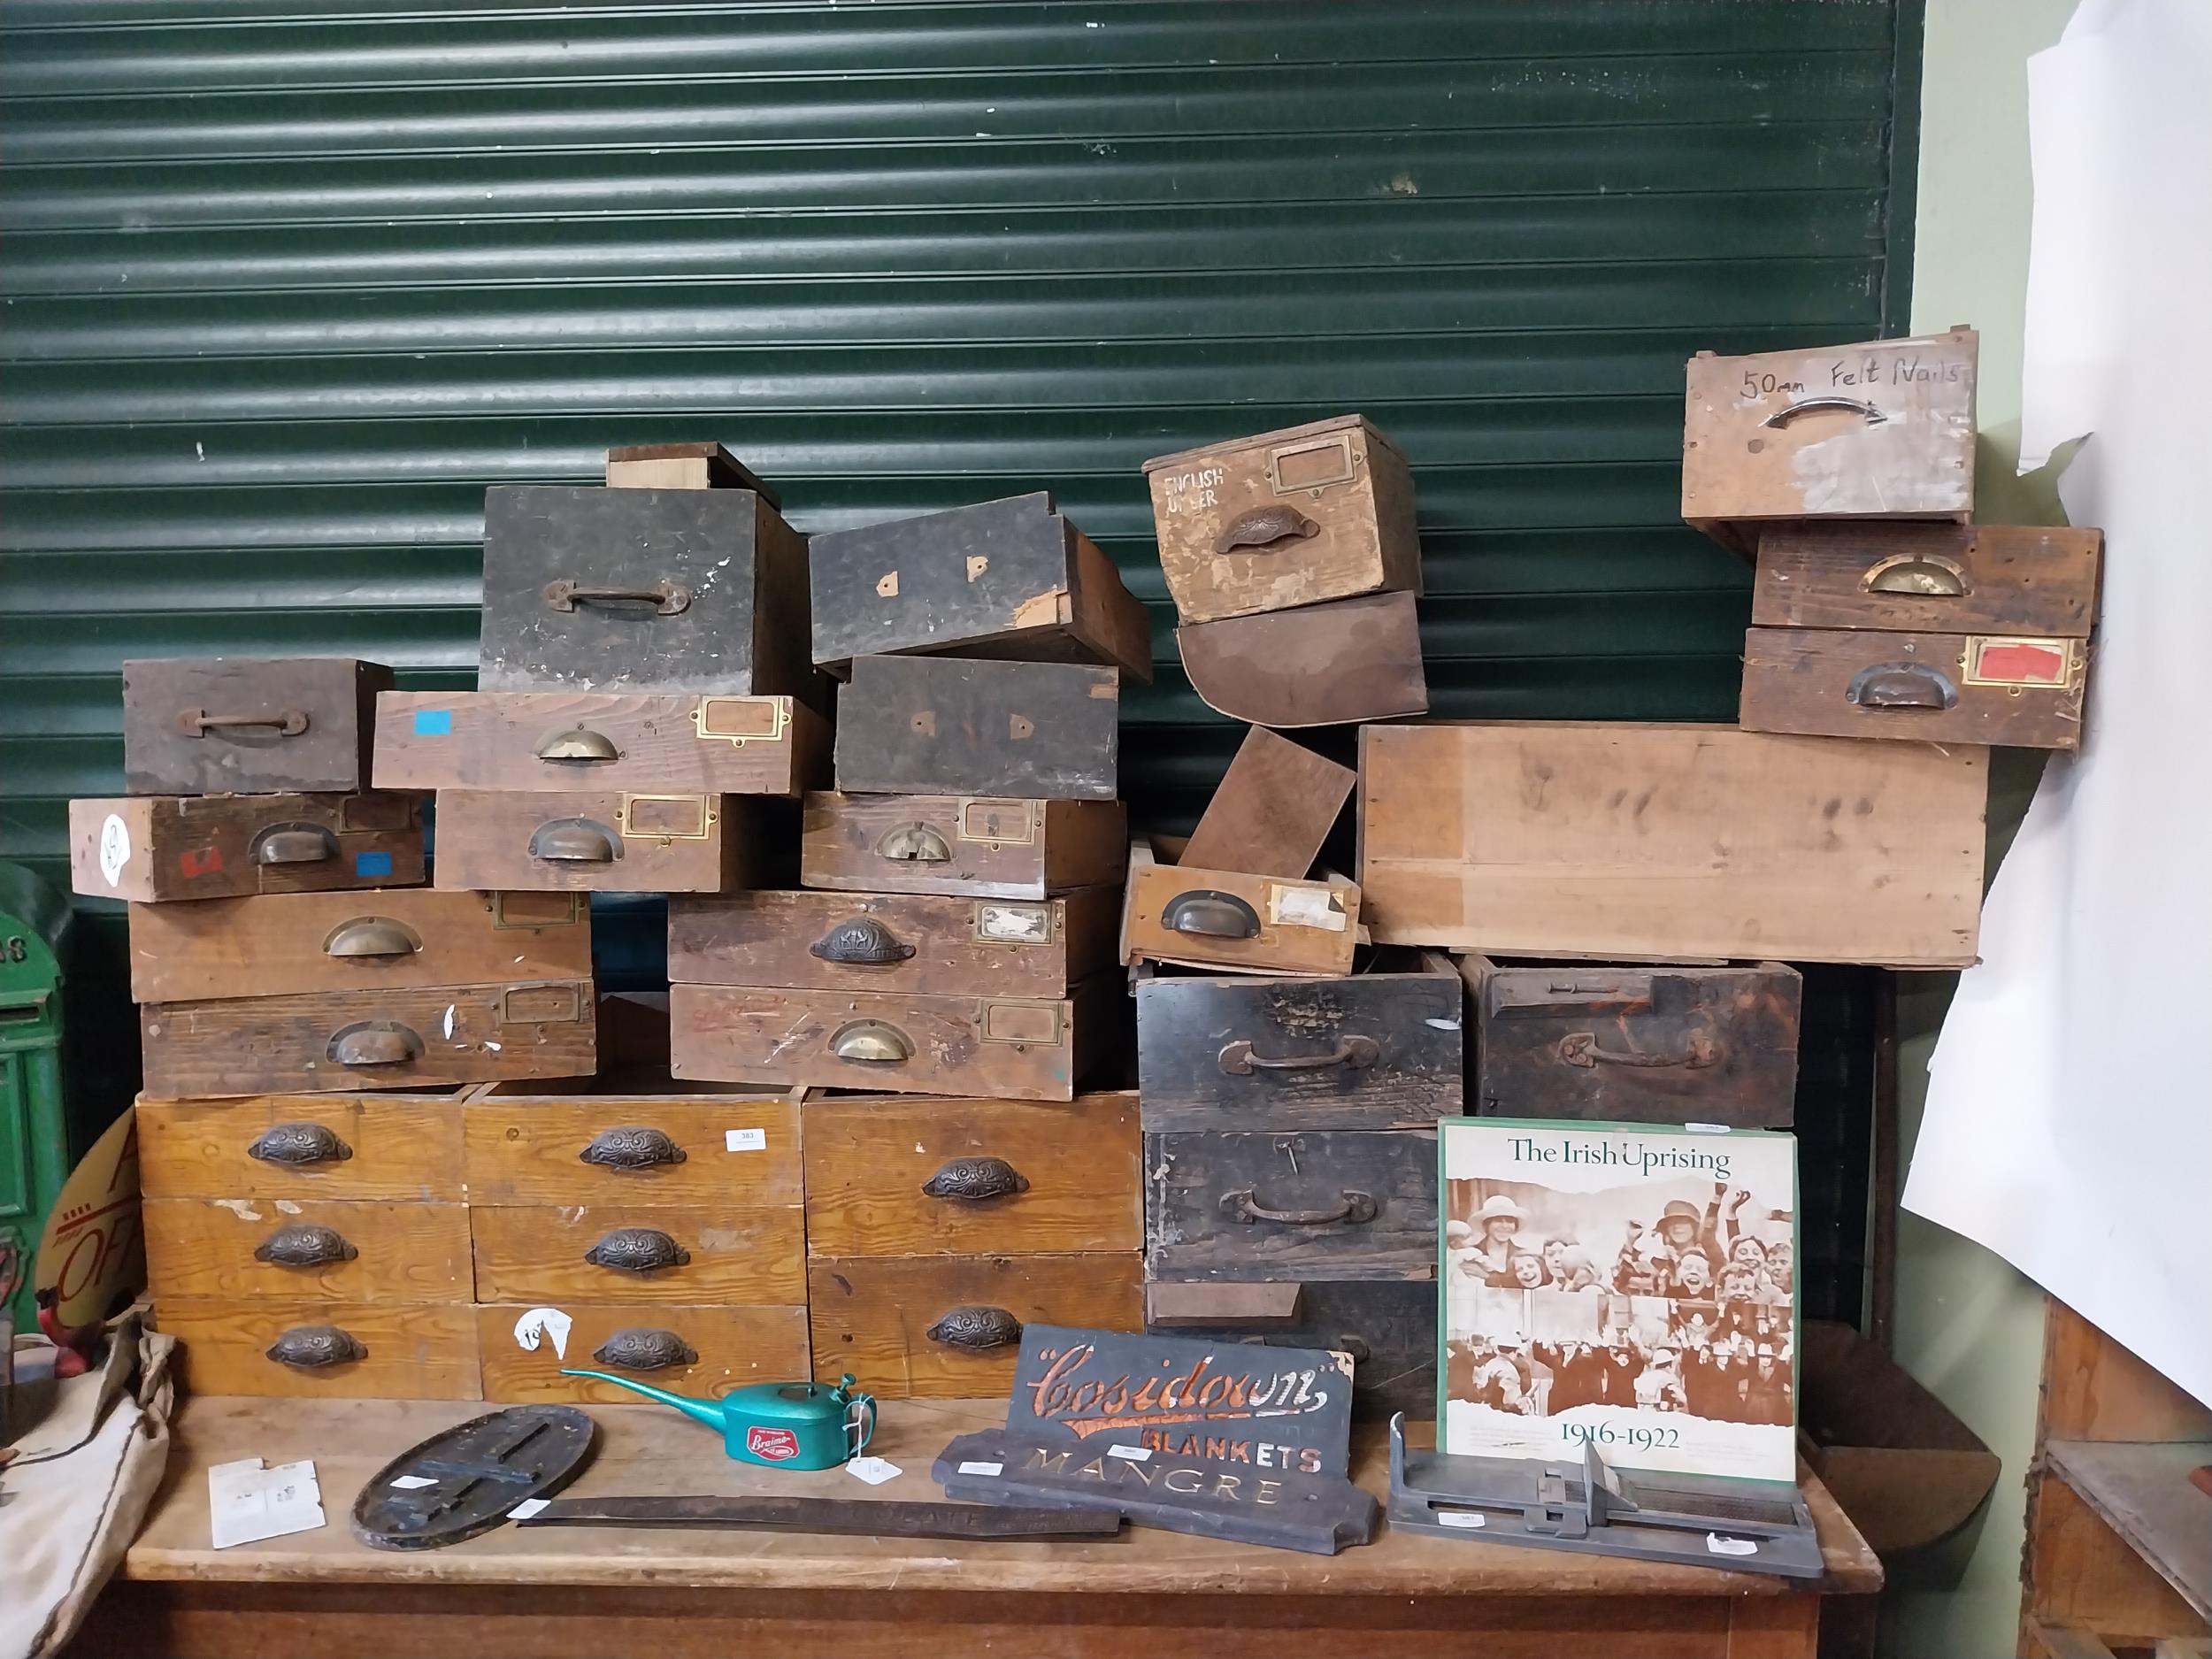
(914,844)
(1780,418)
(579,746)
(1355,1209)
(975,1180)
(298,1143)
(315,1347)
(871,1042)
(1238,1060)
(199,722)
(372,936)
(1902,686)
(668,599)
(862,942)
(1209,914)
(1700,1050)
(375,1042)
(1263,526)
(293,844)
(304,1244)
(574,840)
(1922,575)
(977,1329)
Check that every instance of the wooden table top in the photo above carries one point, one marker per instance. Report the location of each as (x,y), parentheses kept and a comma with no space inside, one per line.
(648,1449)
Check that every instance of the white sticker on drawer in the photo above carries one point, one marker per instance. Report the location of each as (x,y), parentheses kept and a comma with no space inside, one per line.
(1014,923)
(1305,907)
(982,1469)
(745,1140)
(1466,1519)
(538,1324)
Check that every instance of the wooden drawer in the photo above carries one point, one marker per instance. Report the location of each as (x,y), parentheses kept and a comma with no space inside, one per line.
(1287,518)
(949,1326)
(682,466)
(1341,1203)
(1882,430)
(1034,730)
(675,590)
(1929,579)
(702,1352)
(640,1253)
(893,1177)
(249,725)
(150,848)
(556,741)
(895,942)
(344,1040)
(1373,1051)
(942,844)
(1340,663)
(1222,919)
(526,1144)
(604,842)
(279,1249)
(1667,841)
(904,1043)
(2022,691)
(1388,1329)
(1008,577)
(1636,1044)
(396,1145)
(295,943)
(345,1350)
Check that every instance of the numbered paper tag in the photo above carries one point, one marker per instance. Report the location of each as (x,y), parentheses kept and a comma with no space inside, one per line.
(1305,907)
(874,1471)
(1134,1453)
(1464,1519)
(115,848)
(745,1140)
(982,1469)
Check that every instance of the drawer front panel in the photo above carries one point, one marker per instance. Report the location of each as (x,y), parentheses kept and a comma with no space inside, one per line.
(629,1253)
(268,1249)
(337,1041)
(524,1148)
(1342,664)
(1374,1051)
(892,1176)
(218,846)
(1635,1044)
(338,1350)
(894,942)
(1388,1329)
(1915,687)
(319,1146)
(594,840)
(556,741)
(1929,579)
(949,1326)
(959,725)
(927,1045)
(297,943)
(704,1352)
(1217,919)
(248,725)
(979,848)
(1324,1204)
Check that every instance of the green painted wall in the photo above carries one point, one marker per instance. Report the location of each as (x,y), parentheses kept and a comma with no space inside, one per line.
(1967,1325)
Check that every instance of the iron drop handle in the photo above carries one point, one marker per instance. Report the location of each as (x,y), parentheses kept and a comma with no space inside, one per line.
(1239,1060)
(1355,1208)
(315,1347)
(862,942)
(979,1330)
(299,1143)
(645,1348)
(668,599)
(637,1250)
(199,722)
(975,1180)
(376,1042)
(1700,1050)
(293,844)
(1263,526)
(305,1245)
(631,1147)
(1902,686)
(1780,418)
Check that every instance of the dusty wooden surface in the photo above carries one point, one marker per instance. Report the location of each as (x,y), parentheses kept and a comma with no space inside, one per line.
(1669,842)
(731,1345)
(1033,730)
(1803,681)
(1929,578)
(1329,664)
(974,848)
(2142,1491)
(1271,810)
(203,847)
(400,1252)
(391,1146)
(525,1143)
(312,716)
(655,843)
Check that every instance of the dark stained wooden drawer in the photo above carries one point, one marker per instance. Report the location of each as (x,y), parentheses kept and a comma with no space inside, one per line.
(598,1142)
(955,726)
(362,1145)
(983,848)
(640,1253)
(890,941)
(1980,688)
(1929,578)
(275,1249)
(317,1347)
(893,1176)
(606,841)
(701,1351)
(1341,1203)
(1372,1051)
(1389,1329)
(249,725)
(149,848)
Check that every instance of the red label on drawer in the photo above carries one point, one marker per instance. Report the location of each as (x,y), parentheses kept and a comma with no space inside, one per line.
(2019,662)
(202,861)
(778,1446)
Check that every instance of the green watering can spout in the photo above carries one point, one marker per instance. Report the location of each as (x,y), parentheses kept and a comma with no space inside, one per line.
(707,1411)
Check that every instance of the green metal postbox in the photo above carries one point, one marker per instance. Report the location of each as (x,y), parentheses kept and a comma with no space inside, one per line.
(35,1154)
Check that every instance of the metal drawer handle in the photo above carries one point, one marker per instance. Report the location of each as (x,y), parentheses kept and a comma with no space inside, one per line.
(579,746)
(305,1245)
(975,1180)
(637,1250)
(977,1330)
(315,1347)
(1826,405)
(1357,1209)
(871,1042)
(1700,1050)
(1210,914)
(199,722)
(1902,686)
(292,844)
(1238,1060)
(642,1348)
(914,844)
(575,840)
(666,598)
(862,942)
(299,1143)
(631,1147)
(375,1042)
(1929,575)
(1357,1347)
(1263,526)
(372,936)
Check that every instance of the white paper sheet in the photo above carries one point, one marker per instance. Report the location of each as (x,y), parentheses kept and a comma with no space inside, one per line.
(2068,1126)
(247,1503)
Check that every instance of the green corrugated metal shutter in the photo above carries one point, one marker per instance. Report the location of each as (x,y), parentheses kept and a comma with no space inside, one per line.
(284,286)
